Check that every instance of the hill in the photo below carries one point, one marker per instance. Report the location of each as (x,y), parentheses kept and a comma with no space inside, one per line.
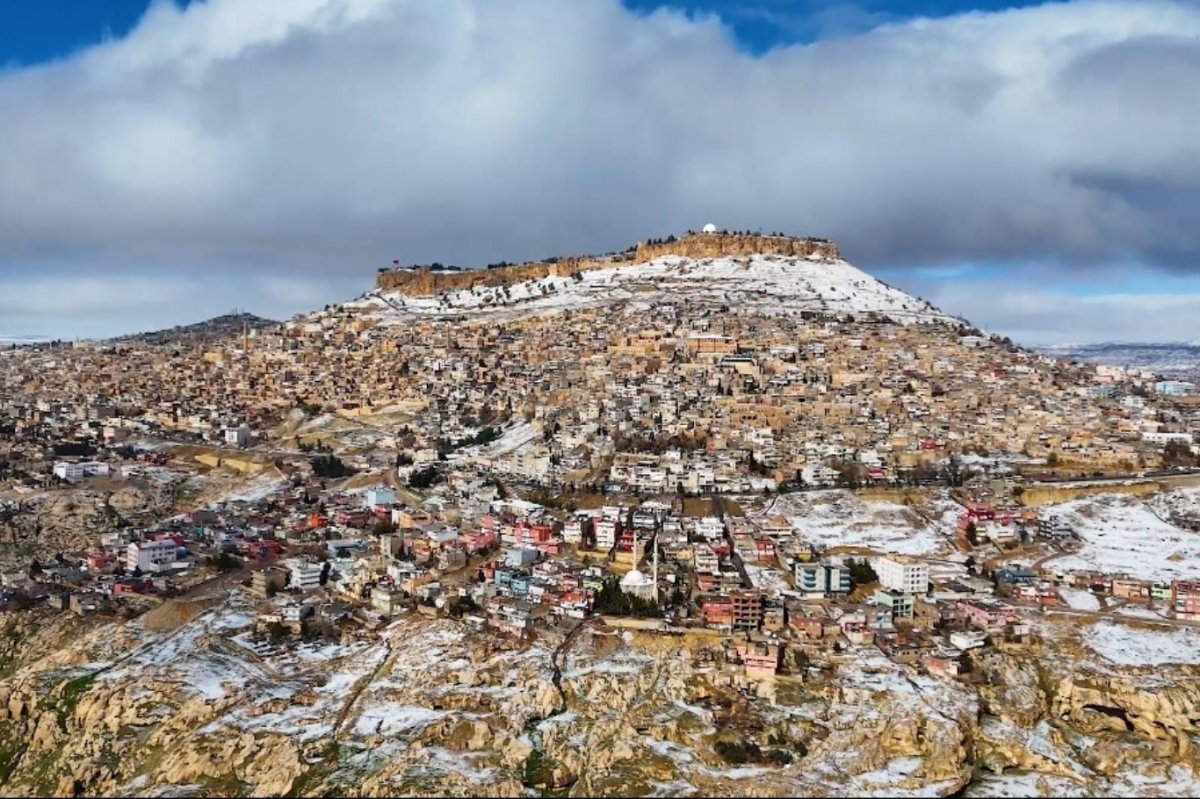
(219,327)
(760,273)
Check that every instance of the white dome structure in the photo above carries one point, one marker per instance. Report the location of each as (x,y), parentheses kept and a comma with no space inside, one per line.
(710,228)
(638,584)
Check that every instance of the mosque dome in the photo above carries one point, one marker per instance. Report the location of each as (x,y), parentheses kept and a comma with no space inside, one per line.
(635,579)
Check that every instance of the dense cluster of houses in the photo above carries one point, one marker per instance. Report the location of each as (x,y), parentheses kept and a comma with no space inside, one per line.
(682,399)
(510,565)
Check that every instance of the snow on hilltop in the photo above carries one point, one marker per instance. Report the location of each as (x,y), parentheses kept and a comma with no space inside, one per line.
(760,282)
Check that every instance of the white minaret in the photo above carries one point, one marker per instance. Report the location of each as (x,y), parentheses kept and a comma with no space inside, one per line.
(654,569)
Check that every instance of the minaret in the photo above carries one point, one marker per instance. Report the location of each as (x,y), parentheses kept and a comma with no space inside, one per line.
(654,571)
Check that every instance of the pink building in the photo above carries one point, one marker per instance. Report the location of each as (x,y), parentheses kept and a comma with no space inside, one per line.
(1185,599)
(760,659)
(986,615)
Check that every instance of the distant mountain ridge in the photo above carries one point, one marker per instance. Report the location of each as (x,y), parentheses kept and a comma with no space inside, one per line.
(1175,358)
(219,327)
(6,340)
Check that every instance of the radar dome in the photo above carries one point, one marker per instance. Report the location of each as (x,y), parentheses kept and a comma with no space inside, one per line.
(710,228)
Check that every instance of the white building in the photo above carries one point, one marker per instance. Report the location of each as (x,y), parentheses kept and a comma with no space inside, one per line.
(606,534)
(705,559)
(304,575)
(903,574)
(573,531)
(295,612)
(818,474)
(968,639)
(149,556)
(442,535)
(1167,438)
(375,497)
(81,471)
(636,583)
(710,528)
(1174,388)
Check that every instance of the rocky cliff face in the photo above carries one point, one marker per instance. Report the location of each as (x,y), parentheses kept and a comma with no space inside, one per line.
(424,282)
(424,707)
(717,245)
(1087,731)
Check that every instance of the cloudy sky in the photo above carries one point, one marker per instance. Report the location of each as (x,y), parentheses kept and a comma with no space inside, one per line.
(1036,168)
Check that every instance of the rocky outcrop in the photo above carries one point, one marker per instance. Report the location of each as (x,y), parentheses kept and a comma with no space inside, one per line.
(424,282)
(268,764)
(432,709)
(720,245)
(1167,713)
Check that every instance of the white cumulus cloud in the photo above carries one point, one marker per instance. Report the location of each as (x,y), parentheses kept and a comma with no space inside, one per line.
(323,138)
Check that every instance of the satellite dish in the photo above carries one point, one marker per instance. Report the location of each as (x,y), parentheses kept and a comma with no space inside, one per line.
(710,228)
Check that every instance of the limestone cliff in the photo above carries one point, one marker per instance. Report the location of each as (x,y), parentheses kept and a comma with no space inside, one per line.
(718,245)
(426,707)
(425,282)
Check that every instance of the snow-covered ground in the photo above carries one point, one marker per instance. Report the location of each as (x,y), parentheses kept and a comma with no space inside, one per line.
(512,439)
(1178,500)
(180,656)
(768,282)
(1079,599)
(1122,535)
(1142,612)
(260,487)
(768,578)
(1014,784)
(1130,645)
(838,518)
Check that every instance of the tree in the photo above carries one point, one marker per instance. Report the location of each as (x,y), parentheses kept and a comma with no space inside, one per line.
(861,572)
(330,466)
(612,600)
(383,527)
(1178,453)
(848,475)
(35,570)
(972,534)
(276,632)
(424,478)
(324,573)
(462,605)
(954,473)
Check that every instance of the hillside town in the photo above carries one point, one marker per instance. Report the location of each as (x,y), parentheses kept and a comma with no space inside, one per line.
(632,424)
(693,395)
(772,489)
